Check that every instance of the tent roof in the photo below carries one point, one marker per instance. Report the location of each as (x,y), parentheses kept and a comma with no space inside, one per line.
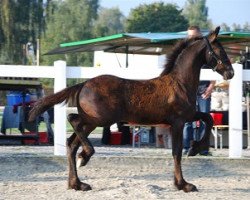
(148,43)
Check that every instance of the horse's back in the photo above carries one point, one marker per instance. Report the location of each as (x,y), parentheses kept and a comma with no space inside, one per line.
(102,99)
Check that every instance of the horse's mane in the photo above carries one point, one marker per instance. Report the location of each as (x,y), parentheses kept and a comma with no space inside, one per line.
(177,49)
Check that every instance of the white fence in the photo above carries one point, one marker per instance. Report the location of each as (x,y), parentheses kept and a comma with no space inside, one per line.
(60,73)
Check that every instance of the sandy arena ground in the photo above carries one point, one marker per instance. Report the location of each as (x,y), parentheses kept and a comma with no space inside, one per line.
(32,172)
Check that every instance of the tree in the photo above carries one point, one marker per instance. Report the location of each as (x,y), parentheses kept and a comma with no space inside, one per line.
(236,27)
(246,27)
(7,29)
(156,17)
(109,22)
(20,22)
(68,21)
(225,27)
(196,12)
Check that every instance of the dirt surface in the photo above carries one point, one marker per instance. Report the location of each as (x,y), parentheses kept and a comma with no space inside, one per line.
(33,172)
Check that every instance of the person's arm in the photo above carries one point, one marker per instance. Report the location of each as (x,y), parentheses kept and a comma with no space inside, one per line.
(209,90)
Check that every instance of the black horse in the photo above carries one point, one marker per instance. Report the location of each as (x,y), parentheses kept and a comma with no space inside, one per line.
(168,99)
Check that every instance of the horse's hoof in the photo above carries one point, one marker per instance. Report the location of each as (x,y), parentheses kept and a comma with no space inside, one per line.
(192,152)
(85,187)
(190,188)
(80,186)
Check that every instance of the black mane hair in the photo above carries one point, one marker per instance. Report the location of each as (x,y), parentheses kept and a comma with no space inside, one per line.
(177,49)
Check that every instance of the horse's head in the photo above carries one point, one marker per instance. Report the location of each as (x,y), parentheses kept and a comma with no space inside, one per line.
(216,56)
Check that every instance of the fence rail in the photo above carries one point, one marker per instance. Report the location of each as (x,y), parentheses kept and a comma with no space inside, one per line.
(60,72)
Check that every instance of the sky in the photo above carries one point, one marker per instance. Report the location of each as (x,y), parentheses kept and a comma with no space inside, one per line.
(219,11)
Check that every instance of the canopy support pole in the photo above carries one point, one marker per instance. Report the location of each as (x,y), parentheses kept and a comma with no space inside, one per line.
(126,56)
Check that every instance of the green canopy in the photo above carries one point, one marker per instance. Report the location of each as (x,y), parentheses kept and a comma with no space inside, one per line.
(148,43)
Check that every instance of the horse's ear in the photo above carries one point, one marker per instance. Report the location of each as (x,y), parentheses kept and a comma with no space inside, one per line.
(213,35)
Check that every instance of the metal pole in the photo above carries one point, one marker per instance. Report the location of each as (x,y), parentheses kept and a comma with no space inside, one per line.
(248,121)
(126,56)
(37,52)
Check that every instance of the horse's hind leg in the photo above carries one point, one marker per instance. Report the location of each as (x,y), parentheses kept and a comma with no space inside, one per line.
(73,144)
(203,144)
(86,153)
(82,130)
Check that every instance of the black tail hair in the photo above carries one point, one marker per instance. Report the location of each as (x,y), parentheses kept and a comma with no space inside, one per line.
(47,102)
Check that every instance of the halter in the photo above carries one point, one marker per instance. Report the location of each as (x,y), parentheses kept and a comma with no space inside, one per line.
(212,54)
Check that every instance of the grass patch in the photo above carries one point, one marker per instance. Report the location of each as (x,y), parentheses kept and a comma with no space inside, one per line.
(42,128)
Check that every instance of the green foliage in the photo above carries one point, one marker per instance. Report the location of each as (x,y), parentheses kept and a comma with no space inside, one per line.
(156,17)
(196,12)
(246,27)
(224,27)
(21,21)
(110,21)
(68,21)
(236,27)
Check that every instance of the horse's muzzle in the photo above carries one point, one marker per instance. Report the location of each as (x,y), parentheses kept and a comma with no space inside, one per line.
(228,74)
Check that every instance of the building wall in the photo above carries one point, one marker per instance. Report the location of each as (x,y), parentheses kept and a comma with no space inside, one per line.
(118,60)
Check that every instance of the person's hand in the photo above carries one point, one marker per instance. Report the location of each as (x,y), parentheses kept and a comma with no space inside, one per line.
(209,90)
(207,93)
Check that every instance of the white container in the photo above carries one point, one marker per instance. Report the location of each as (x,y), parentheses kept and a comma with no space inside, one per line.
(145,136)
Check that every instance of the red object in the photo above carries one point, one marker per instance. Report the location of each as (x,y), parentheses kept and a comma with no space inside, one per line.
(115,138)
(43,138)
(136,138)
(217,117)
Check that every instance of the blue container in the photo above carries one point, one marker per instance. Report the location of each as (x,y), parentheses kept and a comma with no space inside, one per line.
(16,98)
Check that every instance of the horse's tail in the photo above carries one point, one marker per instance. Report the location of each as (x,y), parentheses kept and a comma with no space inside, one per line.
(47,102)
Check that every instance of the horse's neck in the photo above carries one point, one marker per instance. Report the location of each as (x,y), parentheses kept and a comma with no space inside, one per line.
(188,66)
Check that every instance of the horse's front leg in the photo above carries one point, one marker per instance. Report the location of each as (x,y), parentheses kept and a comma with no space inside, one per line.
(177,135)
